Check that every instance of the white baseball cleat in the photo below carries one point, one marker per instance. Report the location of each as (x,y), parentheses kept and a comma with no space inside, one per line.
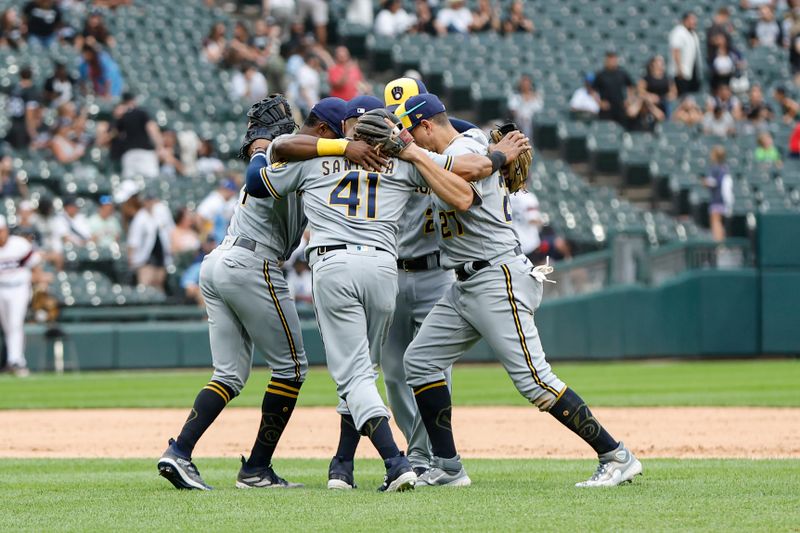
(445,473)
(616,467)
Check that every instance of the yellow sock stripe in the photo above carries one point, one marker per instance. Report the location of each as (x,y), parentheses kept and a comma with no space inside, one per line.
(281,393)
(430,386)
(219,390)
(265,179)
(521,334)
(283,386)
(285,324)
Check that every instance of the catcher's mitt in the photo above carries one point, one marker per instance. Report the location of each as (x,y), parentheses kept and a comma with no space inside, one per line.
(516,171)
(267,119)
(390,137)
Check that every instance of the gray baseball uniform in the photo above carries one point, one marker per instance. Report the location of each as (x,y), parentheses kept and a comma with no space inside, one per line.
(246,296)
(495,297)
(353,215)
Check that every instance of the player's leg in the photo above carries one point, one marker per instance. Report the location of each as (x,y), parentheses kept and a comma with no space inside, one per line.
(13,308)
(231,352)
(503,311)
(261,299)
(444,337)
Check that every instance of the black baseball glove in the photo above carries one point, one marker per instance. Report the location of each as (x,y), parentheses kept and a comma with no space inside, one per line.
(267,119)
(389,137)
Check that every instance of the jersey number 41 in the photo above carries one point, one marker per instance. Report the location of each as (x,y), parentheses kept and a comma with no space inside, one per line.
(349,191)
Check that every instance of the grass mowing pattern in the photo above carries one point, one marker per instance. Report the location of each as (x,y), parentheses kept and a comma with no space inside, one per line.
(507,495)
(708,383)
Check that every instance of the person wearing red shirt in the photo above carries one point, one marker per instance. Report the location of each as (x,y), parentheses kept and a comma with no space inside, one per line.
(794,143)
(345,76)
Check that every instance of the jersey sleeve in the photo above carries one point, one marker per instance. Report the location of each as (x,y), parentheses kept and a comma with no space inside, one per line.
(275,179)
(444,161)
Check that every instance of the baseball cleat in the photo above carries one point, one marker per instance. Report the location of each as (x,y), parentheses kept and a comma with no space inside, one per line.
(616,467)
(445,473)
(400,476)
(262,478)
(340,474)
(419,470)
(180,470)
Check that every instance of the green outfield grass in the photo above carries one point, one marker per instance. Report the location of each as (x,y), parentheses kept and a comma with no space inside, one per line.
(127,495)
(723,383)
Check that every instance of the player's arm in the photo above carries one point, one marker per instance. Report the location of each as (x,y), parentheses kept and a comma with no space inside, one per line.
(302,147)
(474,167)
(451,188)
(264,179)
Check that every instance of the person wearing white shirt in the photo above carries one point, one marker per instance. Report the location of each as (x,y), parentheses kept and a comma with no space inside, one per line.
(103,225)
(585,101)
(308,82)
(19,267)
(299,281)
(393,20)
(360,12)
(148,243)
(455,18)
(527,220)
(71,226)
(248,85)
(524,104)
(216,209)
(684,57)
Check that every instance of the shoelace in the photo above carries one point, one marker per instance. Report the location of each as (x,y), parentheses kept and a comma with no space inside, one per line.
(601,469)
(540,273)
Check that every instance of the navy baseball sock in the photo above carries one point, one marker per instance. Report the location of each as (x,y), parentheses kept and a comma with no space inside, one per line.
(379,432)
(210,402)
(572,411)
(436,408)
(276,409)
(348,438)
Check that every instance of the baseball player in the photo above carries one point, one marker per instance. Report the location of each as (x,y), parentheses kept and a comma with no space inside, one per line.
(495,296)
(19,266)
(249,305)
(353,217)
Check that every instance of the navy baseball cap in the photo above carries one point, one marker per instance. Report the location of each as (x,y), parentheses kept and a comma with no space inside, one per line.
(398,91)
(360,105)
(331,111)
(419,108)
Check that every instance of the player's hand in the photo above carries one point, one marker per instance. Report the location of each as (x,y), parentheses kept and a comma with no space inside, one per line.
(258,143)
(512,145)
(365,155)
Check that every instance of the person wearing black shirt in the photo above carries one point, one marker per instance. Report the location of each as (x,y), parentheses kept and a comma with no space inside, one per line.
(23,110)
(43,18)
(656,87)
(60,87)
(138,139)
(612,84)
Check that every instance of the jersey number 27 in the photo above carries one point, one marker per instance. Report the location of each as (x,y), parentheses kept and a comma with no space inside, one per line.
(348,192)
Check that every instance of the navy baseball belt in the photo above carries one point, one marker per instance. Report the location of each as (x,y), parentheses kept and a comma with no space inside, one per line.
(417,264)
(467,270)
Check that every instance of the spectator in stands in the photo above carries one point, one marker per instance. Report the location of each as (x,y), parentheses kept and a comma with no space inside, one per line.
(527,220)
(208,164)
(719,122)
(720,183)
(12,30)
(299,281)
(393,20)
(655,87)
(794,143)
(642,114)
(317,11)
(60,87)
(454,18)
(516,21)
(345,77)
(184,238)
(485,18)
(248,85)
(169,157)
(756,4)
(215,44)
(723,97)
(71,226)
(11,186)
(791,33)
(720,25)
(684,58)
(65,147)
(148,243)
(757,111)
(215,211)
(267,40)
(524,104)
(766,152)
(101,72)
(95,32)
(139,139)
(725,63)
(789,108)
(612,84)
(190,279)
(553,247)
(360,12)
(240,49)
(307,83)
(104,226)
(281,11)
(766,31)
(24,111)
(585,102)
(29,224)
(426,23)
(43,19)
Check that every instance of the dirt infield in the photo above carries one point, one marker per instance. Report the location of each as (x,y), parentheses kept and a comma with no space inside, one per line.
(496,432)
